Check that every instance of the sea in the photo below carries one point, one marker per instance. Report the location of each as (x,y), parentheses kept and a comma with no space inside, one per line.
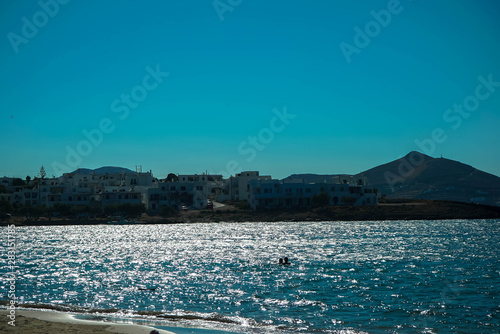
(435,276)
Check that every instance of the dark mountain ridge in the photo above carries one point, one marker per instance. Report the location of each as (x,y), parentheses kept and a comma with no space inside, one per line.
(316,177)
(419,176)
(102,170)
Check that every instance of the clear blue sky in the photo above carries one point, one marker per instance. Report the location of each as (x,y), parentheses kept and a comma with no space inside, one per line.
(344,103)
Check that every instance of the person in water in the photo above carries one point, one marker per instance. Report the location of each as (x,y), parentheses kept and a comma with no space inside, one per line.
(285,262)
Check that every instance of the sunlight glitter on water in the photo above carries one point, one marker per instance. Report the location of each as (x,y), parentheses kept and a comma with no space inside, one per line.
(354,276)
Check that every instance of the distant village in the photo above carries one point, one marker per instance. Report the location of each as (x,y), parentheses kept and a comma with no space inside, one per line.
(109,186)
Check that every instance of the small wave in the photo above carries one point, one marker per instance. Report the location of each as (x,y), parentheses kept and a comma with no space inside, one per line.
(180,316)
(51,307)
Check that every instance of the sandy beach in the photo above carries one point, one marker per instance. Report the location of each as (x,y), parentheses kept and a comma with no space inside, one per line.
(41,322)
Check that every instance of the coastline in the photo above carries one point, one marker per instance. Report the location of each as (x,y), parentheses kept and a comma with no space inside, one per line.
(390,210)
(45,322)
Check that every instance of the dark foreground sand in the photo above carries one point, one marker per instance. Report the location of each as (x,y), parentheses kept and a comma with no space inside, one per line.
(40,322)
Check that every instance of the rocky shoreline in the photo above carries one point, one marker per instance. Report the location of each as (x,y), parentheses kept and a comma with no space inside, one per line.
(396,210)
(392,210)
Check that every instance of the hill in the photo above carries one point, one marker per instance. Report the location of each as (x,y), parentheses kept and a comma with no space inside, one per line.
(103,170)
(316,177)
(419,176)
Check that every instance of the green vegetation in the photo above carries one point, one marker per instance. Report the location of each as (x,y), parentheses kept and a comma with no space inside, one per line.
(242,205)
(349,200)
(169,211)
(5,207)
(32,212)
(128,210)
(172,178)
(42,173)
(60,209)
(320,200)
(17,182)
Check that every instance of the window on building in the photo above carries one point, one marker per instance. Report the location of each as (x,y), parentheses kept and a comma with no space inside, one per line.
(183,188)
(308,190)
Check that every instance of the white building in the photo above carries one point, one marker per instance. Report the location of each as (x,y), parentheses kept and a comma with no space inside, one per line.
(191,190)
(239,185)
(269,194)
(86,188)
(121,197)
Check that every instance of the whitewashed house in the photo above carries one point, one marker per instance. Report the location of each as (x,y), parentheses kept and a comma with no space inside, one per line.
(295,193)
(238,186)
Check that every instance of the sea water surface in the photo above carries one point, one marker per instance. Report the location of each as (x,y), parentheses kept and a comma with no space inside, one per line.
(345,277)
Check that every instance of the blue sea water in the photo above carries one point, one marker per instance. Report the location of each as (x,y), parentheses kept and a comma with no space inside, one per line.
(345,277)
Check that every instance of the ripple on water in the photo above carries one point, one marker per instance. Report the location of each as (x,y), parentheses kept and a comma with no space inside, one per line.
(345,276)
